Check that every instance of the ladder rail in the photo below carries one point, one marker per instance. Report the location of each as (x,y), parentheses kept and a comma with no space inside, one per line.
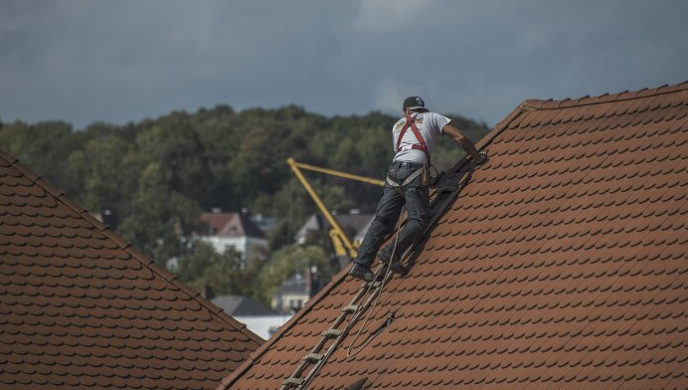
(316,370)
(367,289)
(324,338)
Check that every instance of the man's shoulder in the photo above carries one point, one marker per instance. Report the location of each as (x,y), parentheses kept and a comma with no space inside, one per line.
(438,118)
(400,123)
(433,114)
(429,115)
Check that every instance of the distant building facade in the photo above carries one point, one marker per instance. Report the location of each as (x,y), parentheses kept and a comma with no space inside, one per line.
(235,230)
(295,292)
(354,225)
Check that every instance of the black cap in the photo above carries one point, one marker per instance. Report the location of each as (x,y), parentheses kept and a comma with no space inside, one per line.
(414,103)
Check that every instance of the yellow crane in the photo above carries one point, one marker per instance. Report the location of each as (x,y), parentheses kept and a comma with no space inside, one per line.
(343,246)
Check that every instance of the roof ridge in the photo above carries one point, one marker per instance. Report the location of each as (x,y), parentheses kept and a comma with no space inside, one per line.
(551,104)
(139,256)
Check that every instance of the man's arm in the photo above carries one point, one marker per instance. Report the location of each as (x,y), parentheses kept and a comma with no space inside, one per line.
(463,141)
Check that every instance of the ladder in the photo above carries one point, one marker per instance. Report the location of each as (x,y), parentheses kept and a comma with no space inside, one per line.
(318,355)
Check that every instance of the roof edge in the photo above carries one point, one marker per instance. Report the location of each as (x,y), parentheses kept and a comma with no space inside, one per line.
(139,256)
(538,104)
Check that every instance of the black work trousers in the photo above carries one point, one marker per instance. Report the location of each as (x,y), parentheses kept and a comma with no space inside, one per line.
(416,197)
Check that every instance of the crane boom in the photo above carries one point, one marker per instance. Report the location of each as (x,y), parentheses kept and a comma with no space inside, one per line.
(345,175)
(337,230)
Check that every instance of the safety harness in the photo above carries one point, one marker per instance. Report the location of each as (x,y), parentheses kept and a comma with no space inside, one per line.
(411,124)
(421,145)
(399,186)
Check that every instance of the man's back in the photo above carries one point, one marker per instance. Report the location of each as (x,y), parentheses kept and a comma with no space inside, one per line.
(429,125)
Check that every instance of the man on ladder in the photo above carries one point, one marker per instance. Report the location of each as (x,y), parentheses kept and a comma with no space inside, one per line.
(407,182)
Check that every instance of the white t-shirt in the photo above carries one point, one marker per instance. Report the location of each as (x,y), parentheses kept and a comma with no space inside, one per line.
(429,125)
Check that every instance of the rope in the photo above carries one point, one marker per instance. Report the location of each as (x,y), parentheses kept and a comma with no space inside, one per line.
(388,271)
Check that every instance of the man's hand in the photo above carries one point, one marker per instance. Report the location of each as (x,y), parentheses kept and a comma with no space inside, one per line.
(483,157)
(464,142)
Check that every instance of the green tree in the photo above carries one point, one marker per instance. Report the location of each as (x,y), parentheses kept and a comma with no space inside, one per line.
(289,260)
(105,167)
(224,274)
(174,145)
(44,147)
(159,216)
(159,174)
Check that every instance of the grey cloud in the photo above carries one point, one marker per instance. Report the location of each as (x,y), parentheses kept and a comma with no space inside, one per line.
(83,61)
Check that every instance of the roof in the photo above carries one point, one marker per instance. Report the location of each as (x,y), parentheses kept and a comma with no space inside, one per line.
(237,305)
(79,307)
(232,225)
(563,263)
(352,222)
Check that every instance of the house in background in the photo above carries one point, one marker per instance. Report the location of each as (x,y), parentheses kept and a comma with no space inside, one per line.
(259,319)
(265,326)
(318,230)
(235,230)
(354,225)
(295,292)
(239,305)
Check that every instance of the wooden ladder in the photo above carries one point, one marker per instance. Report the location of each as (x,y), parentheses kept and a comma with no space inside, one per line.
(317,358)
(319,354)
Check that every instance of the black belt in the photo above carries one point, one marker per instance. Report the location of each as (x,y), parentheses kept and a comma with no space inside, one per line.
(406,164)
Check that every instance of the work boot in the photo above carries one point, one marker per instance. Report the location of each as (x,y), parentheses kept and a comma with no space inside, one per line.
(394,265)
(362,272)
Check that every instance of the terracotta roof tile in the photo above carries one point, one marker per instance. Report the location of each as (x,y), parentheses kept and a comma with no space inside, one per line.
(79,307)
(561,264)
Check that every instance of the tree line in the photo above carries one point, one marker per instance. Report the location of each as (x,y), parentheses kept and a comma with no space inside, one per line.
(156,176)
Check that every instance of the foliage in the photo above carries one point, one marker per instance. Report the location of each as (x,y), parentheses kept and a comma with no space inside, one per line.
(289,260)
(224,274)
(158,175)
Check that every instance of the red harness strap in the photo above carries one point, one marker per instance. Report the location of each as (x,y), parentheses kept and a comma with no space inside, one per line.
(411,123)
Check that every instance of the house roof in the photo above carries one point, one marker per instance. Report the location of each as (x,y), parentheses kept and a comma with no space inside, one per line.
(353,222)
(238,305)
(232,225)
(80,308)
(562,263)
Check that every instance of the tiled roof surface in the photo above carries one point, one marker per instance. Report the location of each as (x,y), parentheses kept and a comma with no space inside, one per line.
(80,308)
(562,264)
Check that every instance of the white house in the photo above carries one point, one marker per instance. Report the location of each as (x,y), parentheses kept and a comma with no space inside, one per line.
(234,230)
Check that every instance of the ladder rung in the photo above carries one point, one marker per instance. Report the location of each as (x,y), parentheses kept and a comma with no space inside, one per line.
(375,283)
(313,357)
(332,333)
(293,382)
(350,309)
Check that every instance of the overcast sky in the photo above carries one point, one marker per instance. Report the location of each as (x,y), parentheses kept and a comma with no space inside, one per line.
(118,61)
